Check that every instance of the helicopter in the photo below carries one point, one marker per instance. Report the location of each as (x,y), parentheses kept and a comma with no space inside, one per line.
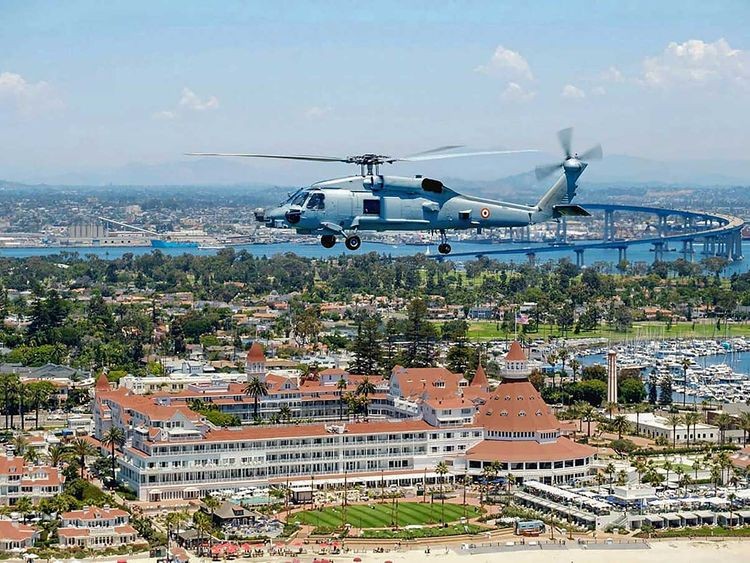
(370,201)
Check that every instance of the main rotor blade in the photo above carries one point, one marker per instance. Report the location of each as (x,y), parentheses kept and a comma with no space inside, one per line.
(282,156)
(566,140)
(545,170)
(457,155)
(433,151)
(594,153)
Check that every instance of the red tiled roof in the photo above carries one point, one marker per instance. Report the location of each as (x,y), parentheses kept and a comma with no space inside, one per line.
(94,514)
(515,352)
(255,354)
(480,378)
(102,383)
(528,450)
(10,531)
(73,532)
(516,406)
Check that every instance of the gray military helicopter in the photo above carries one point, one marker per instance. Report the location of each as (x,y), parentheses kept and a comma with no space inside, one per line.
(369,201)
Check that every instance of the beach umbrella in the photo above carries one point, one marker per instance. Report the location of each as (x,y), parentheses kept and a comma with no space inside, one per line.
(357,560)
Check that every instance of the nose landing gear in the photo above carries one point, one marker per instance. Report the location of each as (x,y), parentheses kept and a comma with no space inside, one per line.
(443,247)
(328,241)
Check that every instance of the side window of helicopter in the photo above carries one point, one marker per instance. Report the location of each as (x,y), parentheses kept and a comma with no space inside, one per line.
(317,201)
(371,206)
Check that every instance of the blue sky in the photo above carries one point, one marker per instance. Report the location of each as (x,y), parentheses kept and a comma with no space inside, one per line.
(88,86)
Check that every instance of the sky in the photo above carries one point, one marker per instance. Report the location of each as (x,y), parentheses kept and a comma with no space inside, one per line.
(87,87)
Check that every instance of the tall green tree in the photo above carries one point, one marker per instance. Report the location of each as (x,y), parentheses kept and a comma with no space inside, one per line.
(420,335)
(114,438)
(366,345)
(256,389)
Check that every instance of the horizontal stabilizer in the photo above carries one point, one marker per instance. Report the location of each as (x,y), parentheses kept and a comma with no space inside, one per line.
(569,211)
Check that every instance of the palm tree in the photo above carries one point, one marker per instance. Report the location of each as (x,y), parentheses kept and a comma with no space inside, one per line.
(674,421)
(21,399)
(80,449)
(441,469)
(19,443)
(723,421)
(341,386)
(638,409)
(610,469)
(56,454)
(25,507)
(692,418)
(204,525)
(174,520)
(285,413)
(552,361)
(256,389)
(8,383)
(366,388)
(575,366)
(588,413)
(39,393)
(621,424)
(667,467)
(31,455)
(563,354)
(114,438)
(211,503)
(696,467)
(610,408)
(744,424)
(489,472)
(686,363)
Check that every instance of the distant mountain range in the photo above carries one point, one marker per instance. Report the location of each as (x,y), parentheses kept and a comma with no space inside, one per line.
(496,176)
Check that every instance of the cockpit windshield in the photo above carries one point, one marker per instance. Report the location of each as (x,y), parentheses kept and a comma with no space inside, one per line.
(298,198)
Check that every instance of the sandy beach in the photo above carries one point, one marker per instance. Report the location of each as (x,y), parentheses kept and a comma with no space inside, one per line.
(657,552)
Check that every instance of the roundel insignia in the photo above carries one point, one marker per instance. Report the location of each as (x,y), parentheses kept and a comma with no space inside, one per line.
(485,213)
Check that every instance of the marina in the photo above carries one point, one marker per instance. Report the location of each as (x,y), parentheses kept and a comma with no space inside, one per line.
(717,371)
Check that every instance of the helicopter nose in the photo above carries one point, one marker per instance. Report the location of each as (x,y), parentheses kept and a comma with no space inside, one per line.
(293,216)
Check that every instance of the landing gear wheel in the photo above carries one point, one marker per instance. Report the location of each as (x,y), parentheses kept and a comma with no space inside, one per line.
(444,248)
(328,241)
(353,242)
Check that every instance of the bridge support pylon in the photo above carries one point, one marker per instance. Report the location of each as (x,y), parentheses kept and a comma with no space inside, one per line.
(531,257)
(579,257)
(688,254)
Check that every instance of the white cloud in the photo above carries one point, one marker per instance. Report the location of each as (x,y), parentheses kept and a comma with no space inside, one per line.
(191,101)
(316,112)
(27,98)
(599,91)
(613,74)
(572,92)
(516,93)
(508,63)
(166,114)
(697,62)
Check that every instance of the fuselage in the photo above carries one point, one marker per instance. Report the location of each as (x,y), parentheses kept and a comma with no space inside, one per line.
(388,203)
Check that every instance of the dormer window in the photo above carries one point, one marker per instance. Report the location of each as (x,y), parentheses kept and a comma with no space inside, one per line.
(504,413)
(539,413)
(521,413)
(519,398)
(507,397)
(440,383)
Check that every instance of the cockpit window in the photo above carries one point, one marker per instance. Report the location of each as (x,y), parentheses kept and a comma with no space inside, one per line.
(317,201)
(299,199)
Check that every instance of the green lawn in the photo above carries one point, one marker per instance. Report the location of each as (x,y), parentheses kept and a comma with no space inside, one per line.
(382,515)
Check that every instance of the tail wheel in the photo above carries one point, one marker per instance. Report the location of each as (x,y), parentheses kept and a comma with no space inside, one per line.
(444,248)
(353,242)
(328,241)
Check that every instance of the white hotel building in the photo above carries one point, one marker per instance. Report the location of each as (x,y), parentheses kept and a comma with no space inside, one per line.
(172,453)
